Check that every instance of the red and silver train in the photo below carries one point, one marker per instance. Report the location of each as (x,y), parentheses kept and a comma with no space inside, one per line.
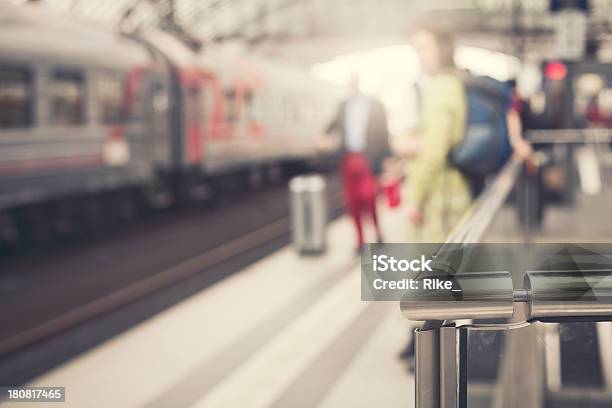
(87,112)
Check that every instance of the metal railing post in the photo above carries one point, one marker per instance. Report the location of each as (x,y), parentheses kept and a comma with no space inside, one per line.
(449,368)
(427,368)
(437,367)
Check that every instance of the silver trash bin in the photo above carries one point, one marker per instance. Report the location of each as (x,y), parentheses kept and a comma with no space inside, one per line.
(308,213)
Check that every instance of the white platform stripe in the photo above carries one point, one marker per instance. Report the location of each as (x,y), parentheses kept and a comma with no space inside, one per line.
(262,378)
(136,367)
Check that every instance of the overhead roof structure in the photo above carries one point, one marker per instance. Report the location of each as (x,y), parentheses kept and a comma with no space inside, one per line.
(281,21)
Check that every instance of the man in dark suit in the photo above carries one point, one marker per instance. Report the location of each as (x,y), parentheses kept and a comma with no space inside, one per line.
(361,122)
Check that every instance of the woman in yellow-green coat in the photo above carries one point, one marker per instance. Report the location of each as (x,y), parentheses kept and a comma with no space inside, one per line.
(438,194)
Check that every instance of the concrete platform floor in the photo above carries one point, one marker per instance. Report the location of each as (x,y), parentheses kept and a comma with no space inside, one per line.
(288,331)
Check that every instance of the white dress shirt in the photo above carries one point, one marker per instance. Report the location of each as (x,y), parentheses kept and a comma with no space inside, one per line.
(356,122)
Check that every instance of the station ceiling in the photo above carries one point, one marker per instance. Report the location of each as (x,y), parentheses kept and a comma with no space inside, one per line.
(509,25)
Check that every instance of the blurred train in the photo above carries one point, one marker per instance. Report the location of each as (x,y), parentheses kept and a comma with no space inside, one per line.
(92,115)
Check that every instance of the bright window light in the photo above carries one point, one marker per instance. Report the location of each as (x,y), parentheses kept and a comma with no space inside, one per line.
(390,73)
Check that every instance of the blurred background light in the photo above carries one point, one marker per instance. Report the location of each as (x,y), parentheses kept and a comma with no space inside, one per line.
(391,72)
(555,71)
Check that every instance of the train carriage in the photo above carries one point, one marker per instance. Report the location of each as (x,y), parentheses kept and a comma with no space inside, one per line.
(242,111)
(88,115)
(81,109)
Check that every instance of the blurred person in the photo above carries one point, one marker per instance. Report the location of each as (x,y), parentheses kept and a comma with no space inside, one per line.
(599,109)
(439,194)
(511,105)
(361,125)
(502,95)
(405,140)
(514,120)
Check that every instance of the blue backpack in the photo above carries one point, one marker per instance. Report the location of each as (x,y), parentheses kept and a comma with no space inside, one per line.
(486,144)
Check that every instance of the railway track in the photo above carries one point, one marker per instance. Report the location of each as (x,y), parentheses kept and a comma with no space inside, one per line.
(42,319)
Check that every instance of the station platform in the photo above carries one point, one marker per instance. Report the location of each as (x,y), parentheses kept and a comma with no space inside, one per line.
(287,331)
(585,221)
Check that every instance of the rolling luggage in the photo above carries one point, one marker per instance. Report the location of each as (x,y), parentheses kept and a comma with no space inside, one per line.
(308,214)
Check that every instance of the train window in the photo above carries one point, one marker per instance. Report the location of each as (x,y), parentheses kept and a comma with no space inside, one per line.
(250,112)
(290,114)
(230,105)
(259,106)
(159,98)
(208,103)
(277,108)
(194,105)
(109,94)
(67,98)
(15,97)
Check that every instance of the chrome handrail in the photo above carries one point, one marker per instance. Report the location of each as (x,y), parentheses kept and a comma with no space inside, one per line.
(478,218)
(440,364)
